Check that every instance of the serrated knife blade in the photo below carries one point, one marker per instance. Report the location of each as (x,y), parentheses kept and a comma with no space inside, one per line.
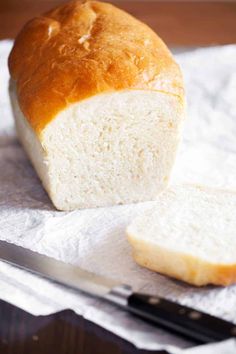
(181,319)
(60,272)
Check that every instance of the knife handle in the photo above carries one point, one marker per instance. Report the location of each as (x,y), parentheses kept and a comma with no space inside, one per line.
(181,319)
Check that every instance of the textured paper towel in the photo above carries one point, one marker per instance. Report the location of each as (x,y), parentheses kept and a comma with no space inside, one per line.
(95,239)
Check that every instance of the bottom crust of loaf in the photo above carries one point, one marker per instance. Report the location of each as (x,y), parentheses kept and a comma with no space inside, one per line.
(181,266)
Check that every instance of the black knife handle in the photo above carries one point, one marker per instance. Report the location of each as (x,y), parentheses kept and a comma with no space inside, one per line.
(181,319)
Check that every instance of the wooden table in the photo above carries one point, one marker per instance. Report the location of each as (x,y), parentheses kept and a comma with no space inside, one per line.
(179,24)
(61,333)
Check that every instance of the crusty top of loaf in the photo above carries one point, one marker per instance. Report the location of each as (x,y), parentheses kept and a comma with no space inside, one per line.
(81,49)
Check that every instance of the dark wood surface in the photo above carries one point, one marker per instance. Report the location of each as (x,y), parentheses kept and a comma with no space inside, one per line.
(178,23)
(61,333)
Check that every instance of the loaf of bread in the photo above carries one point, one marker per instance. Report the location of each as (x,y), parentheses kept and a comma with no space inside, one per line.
(98,102)
(188,234)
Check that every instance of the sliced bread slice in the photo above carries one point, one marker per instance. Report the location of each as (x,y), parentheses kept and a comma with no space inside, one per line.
(188,234)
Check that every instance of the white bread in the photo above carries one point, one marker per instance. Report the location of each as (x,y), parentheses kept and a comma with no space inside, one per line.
(98,102)
(188,234)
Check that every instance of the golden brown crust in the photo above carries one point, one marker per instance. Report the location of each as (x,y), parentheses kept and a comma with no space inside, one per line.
(81,49)
(192,270)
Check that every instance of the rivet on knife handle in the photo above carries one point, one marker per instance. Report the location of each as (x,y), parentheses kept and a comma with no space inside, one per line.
(191,323)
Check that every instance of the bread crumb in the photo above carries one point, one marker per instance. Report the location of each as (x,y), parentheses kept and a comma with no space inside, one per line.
(84,38)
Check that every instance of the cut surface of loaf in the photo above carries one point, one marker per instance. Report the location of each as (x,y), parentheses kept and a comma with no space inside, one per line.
(98,102)
(188,234)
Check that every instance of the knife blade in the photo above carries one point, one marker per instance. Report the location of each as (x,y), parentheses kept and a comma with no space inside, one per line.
(184,320)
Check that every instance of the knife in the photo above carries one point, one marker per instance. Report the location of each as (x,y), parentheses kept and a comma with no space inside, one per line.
(165,313)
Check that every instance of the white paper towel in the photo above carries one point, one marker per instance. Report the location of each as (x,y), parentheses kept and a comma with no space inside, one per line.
(95,239)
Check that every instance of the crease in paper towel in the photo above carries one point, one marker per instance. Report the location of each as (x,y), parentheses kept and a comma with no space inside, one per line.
(95,239)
